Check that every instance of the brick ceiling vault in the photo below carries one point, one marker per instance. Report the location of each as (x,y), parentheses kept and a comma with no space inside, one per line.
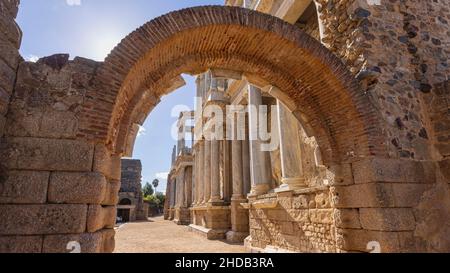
(327,98)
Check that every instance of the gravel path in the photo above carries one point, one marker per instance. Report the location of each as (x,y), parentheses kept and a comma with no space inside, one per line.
(159,236)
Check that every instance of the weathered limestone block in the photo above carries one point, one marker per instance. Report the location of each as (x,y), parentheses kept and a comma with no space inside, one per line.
(21,244)
(89,243)
(24,187)
(347,218)
(47,154)
(387,219)
(358,240)
(100,217)
(108,243)
(77,188)
(111,193)
(377,195)
(97,242)
(393,170)
(43,124)
(42,219)
(106,163)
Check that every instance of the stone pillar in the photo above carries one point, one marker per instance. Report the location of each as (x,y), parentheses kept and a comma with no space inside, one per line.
(215,172)
(181,191)
(246,166)
(207,172)
(239,216)
(260,166)
(201,173)
(174,193)
(237,171)
(291,163)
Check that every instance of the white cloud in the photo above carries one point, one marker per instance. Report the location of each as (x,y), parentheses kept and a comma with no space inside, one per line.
(73,2)
(162,175)
(142,131)
(32,58)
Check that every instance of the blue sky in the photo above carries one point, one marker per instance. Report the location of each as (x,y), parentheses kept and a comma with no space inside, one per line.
(91,28)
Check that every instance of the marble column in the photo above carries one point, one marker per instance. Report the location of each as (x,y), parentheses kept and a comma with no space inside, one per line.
(215,172)
(246,166)
(181,178)
(207,172)
(201,173)
(290,149)
(237,169)
(260,166)
(174,193)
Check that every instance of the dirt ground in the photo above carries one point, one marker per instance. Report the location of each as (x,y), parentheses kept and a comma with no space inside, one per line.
(159,236)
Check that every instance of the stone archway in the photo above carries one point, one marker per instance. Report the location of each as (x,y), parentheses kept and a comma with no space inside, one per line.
(75,166)
(148,61)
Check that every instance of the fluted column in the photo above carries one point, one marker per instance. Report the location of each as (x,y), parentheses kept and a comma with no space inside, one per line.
(207,171)
(201,173)
(291,164)
(246,166)
(260,166)
(182,187)
(215,172)
(237,170)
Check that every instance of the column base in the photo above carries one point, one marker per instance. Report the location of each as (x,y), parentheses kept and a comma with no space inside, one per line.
(236,237)
(292,186)
(259,190)
(182,216)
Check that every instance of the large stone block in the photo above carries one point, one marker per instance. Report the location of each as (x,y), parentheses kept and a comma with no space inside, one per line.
(111,193)
(347,218)
(77,188)
(362,240)
(109,243)
(47,154)
(101,217)
(387,219)
(21,244)
(363,196)
(42,219)
(393,170)
(42,123)
(89,243)
(106,163)
(24,187)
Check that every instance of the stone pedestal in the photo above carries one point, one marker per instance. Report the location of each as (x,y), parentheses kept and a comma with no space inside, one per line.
(182,216)
(239,222)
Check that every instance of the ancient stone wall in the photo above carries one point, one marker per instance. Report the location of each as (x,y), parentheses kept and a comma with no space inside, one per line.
(55,188)
(10,39)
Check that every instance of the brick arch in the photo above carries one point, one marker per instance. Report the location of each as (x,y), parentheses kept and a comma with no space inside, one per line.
(324,94)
